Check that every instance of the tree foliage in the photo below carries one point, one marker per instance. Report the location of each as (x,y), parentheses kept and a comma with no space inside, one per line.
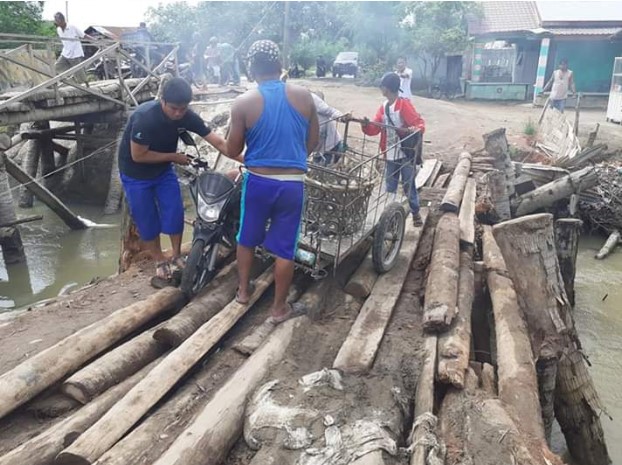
(22,18)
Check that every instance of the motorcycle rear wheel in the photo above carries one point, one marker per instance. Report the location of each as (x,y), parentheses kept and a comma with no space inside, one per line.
(196,275)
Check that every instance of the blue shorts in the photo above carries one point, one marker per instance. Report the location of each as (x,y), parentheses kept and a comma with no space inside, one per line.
(155,204)
(278,202)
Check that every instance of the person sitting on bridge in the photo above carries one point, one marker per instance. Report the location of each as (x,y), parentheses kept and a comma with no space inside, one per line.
(72,53)
(399,113)
(279,125)
(147,151)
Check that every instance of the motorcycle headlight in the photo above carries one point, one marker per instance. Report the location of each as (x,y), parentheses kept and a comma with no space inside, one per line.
(209,212)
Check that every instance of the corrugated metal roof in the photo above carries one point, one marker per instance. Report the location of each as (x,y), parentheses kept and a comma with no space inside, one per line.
(584,31)
(505,17)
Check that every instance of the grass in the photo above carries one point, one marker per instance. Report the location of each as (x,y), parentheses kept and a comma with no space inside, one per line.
(530,128)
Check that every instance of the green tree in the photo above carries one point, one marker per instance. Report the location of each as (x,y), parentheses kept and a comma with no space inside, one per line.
(437,29)
(22,18)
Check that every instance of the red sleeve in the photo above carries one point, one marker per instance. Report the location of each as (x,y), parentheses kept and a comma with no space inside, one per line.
(373,129)
(411,117)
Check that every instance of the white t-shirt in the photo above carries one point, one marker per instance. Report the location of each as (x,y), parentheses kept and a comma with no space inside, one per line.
(561,84)
(329,135)
(71,48)
(394,150)
(405,82)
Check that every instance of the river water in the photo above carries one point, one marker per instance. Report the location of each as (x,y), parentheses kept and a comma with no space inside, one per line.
(60,259)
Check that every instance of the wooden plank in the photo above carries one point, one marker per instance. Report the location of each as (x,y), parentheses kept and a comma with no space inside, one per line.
(467,213)
(442,180)
(423,175)
(359,350)
(434,175)
(43,194)
(130,409)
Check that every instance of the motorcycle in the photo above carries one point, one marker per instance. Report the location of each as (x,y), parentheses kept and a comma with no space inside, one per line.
(217,200)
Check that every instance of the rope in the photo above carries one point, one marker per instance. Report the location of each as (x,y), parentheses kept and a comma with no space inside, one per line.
(64,167)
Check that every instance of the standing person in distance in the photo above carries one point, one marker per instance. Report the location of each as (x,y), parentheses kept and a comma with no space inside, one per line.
(278,124)
(406,75)
(72,53)
(562,83)
(147,152)
(399,113)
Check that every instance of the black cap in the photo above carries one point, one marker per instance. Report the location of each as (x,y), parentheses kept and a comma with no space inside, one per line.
(391,81)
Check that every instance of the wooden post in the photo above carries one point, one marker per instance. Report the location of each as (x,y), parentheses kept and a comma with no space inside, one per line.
(518,384)
(42,370)
(577,113)
(131,245)
(455,191)
(441,292)
(496,145)
(30,164)
(10,238)
(567,231)
(528,243)
(562,188)
(454,346)
(612,241)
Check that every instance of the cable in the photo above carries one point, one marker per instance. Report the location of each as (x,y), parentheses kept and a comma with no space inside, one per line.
(64,167)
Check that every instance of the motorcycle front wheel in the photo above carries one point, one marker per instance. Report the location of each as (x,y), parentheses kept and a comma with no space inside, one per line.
(196,275)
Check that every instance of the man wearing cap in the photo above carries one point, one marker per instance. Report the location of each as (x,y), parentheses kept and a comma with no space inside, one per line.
(399,113)
(279,125)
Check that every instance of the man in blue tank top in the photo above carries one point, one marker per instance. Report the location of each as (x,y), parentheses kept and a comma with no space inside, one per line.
(279,125)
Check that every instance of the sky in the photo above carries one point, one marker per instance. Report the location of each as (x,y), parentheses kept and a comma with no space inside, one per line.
(85,13)
(586,11)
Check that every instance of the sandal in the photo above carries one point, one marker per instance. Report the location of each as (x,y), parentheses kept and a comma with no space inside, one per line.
(296,309)
(163,277)
(251,291)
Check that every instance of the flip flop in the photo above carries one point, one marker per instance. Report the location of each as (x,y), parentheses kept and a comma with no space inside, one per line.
(163,277)
(296,309)
(251,291)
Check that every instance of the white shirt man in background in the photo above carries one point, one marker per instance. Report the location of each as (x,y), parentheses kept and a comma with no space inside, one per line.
(329,148)
(72,53)
(406,75)
(561,84)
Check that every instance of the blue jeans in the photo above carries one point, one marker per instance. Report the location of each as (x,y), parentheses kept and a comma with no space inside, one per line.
(559,104)
(404,169)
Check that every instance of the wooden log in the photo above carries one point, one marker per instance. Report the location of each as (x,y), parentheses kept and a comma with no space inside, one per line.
(216,428)
(424,403)
(496,145)
(441,292)
(610,244)
(30,164)
(113,367)
(42,449)
(497,188)
(518,384)
(131,245)
(42,370)
(138,401)
(467,214)
(358,351)
(10,238)
(363,280)
(548,194)
(51,406)
(442,180)
(70,218)
(454,346)
(529,244)
(26,219)
(591,138)
(489,381)
(455,191)
(567,232)
(219,293)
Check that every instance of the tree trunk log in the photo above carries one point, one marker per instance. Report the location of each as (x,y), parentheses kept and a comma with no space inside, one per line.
(363,280)
(113,367)
(42,449)
(34,375)
(499,195)
(359,350)
(219,293)
(454,346)
(518,384)
(546,195)
(489,379)
(10,238)
(216,428)
(529,244)
(129,410)
(455,191)
(567,232)
(496,144)
(30,164)
(131,245)
(612,241)
(424,404)
(441,293)
(467,213)
(115,190)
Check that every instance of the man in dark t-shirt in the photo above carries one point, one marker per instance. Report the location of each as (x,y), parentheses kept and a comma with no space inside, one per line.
(147,152)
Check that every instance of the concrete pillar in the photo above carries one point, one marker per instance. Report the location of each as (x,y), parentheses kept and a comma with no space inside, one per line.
(542,62)
(477,62)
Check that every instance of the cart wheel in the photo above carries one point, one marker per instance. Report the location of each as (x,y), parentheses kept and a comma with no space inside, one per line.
(388,238)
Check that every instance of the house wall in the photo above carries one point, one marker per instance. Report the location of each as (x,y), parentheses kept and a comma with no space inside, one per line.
(528,52)
(591,61)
